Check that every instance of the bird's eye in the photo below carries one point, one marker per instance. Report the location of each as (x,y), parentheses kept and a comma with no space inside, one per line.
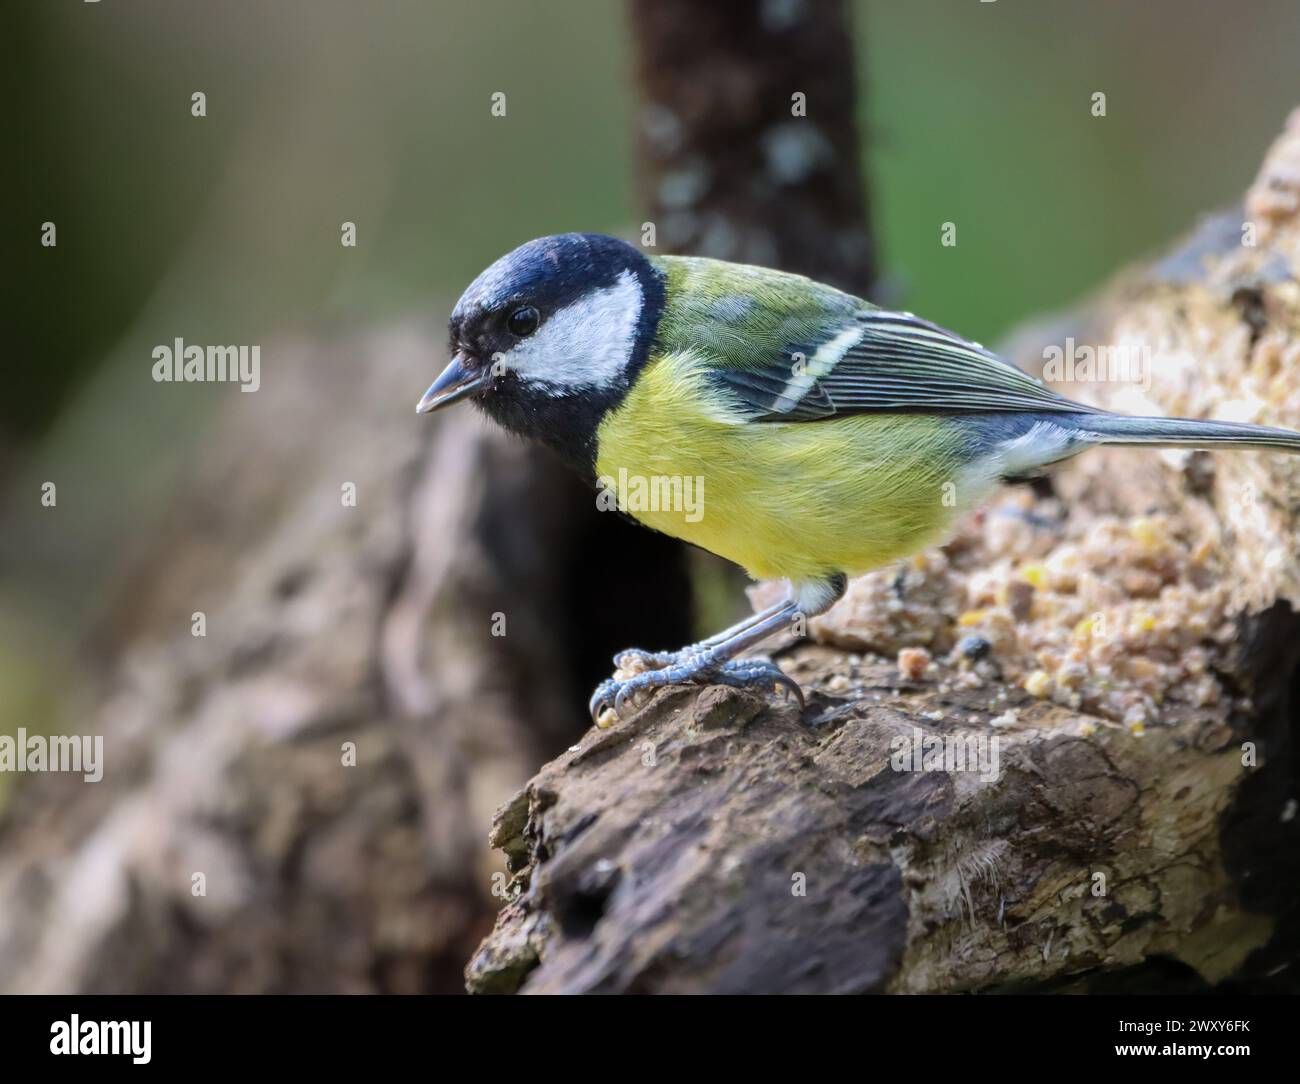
(523,322)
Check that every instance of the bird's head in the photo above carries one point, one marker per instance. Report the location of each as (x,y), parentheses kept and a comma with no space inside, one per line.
(551,336)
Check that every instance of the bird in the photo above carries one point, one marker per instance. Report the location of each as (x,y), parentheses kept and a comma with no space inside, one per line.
(792,428)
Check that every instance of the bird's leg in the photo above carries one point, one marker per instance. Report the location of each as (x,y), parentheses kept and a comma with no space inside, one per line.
(714,661)
(703,663)
(635,657)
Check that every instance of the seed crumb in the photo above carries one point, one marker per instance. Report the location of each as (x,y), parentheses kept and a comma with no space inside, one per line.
(912,662)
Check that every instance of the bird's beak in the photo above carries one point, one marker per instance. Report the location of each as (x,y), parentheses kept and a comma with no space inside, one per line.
(454,384)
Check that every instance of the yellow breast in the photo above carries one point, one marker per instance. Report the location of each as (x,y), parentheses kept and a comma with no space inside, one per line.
(798,499)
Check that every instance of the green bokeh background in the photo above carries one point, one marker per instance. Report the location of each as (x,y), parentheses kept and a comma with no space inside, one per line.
(226,228)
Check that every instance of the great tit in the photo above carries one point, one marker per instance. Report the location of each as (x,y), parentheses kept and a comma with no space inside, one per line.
(816,435)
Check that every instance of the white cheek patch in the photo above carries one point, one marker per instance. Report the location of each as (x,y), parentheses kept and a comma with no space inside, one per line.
(586,344)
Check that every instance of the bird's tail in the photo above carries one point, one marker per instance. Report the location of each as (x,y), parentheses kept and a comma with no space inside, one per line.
(1184,432)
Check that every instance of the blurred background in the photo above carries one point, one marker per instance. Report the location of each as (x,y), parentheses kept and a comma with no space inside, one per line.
(226,229)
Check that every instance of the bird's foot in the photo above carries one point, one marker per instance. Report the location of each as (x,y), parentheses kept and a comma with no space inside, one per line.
(615,696)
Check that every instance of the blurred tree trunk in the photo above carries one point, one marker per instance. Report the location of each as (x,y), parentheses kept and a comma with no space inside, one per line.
(747,135)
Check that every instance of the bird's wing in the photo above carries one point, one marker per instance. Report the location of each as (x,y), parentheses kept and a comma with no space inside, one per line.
(876,360)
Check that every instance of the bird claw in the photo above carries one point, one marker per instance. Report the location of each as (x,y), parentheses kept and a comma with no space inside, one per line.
(626,695)
(622,695)
(602,698)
